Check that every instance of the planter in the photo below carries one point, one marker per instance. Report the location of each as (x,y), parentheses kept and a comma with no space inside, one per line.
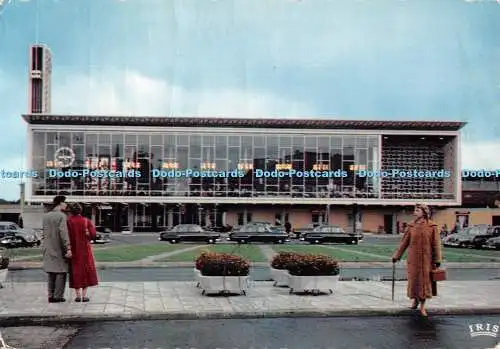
(314,284)
(3,276)
(280,277)
(224,284)
(197,275)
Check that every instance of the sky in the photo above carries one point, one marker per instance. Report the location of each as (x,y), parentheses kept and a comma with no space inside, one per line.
(338,59)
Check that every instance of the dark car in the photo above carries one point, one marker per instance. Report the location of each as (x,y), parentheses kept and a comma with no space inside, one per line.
(101,238)
(259,233)
(479,240)
(466,237)
(189,233)
(332,234)
(306,229)
(493,243)
(12,236)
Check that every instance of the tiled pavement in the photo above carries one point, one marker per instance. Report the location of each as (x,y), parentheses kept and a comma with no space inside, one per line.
(182,300)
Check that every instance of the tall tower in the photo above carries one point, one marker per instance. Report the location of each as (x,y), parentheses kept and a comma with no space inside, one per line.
(40,80)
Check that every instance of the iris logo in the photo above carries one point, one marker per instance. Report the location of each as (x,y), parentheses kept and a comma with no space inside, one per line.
(478,330)
(64,157)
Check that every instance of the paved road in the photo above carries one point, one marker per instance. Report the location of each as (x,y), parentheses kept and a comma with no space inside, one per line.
(289,333)
(258,274)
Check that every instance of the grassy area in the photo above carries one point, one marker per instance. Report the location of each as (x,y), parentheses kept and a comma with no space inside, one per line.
(14,253)
(131,253)
(330,251)
(250,252)
(343,253)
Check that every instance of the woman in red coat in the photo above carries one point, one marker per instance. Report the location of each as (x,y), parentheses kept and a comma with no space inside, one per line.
(83,273)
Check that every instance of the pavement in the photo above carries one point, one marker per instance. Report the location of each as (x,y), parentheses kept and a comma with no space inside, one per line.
(256,273)
(150,263)
(449,332)
(26,303)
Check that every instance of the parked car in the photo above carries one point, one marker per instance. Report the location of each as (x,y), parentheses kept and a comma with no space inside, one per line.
(465,238)
(101,238)
(259,233)
(306,229)
(493,243)
(332,234)
(190,233)
(480,239)
(12,236)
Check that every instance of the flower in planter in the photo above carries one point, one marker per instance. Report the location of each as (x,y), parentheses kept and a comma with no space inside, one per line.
(203,257)
(225,265)
(282,259)
(313,265)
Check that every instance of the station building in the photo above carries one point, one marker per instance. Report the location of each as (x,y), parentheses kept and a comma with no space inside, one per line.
(150,203)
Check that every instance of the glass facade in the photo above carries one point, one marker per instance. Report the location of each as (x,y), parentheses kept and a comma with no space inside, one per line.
(246,153)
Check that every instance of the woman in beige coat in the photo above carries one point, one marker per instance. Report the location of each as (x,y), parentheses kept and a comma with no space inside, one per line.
(424,254)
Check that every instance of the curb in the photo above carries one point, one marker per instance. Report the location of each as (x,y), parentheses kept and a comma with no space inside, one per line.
(36,319)
(349,265)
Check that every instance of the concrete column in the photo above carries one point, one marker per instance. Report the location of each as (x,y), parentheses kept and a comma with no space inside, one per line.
(200,210)
(131,217)
(93,214)
(224,218)
(170,218)
(245,215)
(328,214)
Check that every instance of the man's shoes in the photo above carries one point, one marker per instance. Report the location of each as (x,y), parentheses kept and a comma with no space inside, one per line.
(57,300)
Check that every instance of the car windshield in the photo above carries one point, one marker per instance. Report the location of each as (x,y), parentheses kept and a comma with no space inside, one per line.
(187,228)
(476,231)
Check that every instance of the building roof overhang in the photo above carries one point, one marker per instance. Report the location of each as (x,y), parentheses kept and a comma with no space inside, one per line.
(304,123)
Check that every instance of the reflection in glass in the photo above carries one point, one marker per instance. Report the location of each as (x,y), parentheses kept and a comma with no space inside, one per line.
(220,152)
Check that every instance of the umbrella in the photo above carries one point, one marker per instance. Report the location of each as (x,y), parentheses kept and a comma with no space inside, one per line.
(393,279)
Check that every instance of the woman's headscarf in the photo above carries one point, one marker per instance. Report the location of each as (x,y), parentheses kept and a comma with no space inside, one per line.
(425,209)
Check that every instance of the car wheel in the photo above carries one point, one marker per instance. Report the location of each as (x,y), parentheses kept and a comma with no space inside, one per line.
(173,241)
(354,242)
(280,241)
(211,241)
(316,241)
(241,241)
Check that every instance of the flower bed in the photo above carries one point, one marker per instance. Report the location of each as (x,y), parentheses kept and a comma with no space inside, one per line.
(313,273)
(223,273)
(279,267)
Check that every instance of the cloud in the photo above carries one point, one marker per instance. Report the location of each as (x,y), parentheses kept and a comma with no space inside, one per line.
(131,93)
(480,155)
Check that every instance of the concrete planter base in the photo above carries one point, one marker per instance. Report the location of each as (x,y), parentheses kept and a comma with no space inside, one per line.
(224,284)
(3,276)
(197,275)
(313,284)
(280,277)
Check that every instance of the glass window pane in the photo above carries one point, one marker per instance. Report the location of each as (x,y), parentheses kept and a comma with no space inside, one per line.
(77,137)
(64,139)
(221,151)
(52,138)
(311,142)
(183,140)
(234,141)
(38,144)
(182,157)
(157,140)
(130,139)
(285,141)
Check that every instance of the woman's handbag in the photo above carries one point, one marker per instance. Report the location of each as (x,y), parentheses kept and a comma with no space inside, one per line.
(438,274)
